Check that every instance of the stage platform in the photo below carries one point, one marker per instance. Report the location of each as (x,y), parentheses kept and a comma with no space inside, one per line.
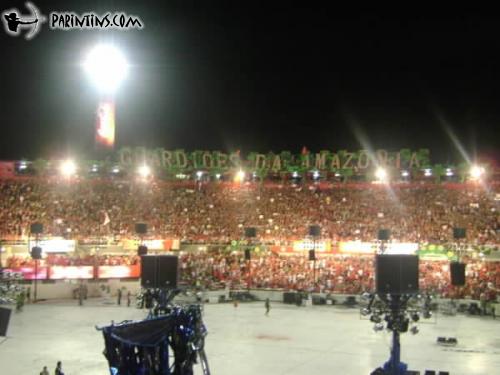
(290,341)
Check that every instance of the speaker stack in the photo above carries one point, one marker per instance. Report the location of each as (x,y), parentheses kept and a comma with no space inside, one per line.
(457,269)
(314,230)
(36,228)
(384,234)
(141,229)
(250,232)
(160,271)
(4,320)
(36,251)
(397,274)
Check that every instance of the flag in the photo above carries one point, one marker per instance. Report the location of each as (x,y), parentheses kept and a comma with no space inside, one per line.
(106,218)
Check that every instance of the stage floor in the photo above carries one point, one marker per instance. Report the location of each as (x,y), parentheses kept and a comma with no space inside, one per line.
(292,340)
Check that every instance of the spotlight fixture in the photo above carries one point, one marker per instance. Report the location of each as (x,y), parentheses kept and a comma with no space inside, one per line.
(476,172)
(68,168)
(365,311)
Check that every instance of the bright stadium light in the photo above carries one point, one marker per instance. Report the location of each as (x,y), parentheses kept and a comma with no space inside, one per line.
(144,171)
(405,173)
(449,172)
(106,67)
(427,172)
(381,174)
(68,168)
(199,174)
(240,176)
(476,172)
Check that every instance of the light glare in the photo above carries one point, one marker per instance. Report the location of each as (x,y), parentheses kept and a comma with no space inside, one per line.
(106,67)
(68,168)
(144,171)
(381,174)
(476,172)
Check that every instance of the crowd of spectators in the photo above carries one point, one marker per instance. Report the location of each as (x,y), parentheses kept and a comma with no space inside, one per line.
(218,213)
(351,274)
(344,274)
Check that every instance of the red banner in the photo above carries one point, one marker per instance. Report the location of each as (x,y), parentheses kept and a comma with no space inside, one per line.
(29,272)
(71,272)
(7,169)
(118,272)
(105,125)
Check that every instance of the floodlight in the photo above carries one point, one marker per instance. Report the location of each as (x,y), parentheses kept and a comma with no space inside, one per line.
(106,67)
(68,168)
(476,172)
(240,176)
(217,176)
(199,174)
(295,175)
(315,175)
(144,171)
(449,172)
(381,174)
(115,170)
(427,172)
(405,173)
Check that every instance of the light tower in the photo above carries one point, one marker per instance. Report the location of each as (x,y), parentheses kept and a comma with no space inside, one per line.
(106,68)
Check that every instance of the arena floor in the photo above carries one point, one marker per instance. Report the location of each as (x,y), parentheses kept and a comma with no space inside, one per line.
(291,340)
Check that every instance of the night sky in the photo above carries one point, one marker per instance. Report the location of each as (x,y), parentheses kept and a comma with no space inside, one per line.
(257,78)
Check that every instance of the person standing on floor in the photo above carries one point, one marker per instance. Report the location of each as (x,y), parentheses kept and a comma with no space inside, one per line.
(119,296)
(45,371)
(129,298)
(59,370)
(268,306)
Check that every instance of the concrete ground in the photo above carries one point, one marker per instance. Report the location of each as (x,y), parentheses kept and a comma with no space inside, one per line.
(290,341)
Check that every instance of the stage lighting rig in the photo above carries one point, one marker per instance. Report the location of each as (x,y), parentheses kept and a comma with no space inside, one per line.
(476,172)
(68,168)
(396,304)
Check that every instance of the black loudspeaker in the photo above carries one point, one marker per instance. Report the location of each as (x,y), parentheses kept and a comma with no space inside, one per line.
(4,320)
(312,255)
(36,252)
(248,255)
(148,271)
(160,271)
(457,271)
(167,271)
(141,228)
(36,228)
(384,234)
(314,230)
(250,232)
(397,274)
(458,233)
(142,250)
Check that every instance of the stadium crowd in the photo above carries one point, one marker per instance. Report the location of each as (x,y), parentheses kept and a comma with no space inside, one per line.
(351,274)
(345,274)
(218,213)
